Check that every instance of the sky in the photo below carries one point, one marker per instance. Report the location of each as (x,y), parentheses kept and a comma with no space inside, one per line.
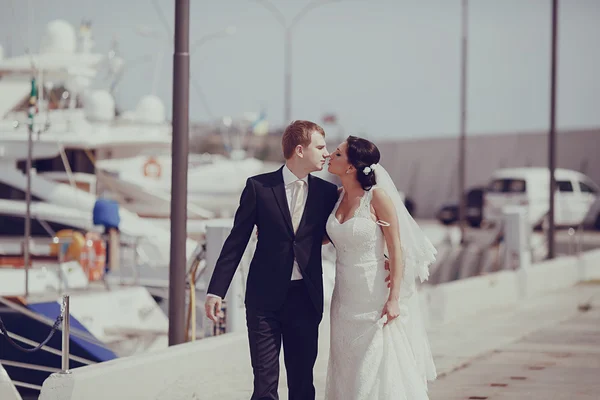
(386,68)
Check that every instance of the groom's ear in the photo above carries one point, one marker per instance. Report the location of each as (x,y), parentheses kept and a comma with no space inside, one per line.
(299,150)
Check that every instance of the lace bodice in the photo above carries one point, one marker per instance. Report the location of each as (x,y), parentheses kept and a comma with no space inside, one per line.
(359,239)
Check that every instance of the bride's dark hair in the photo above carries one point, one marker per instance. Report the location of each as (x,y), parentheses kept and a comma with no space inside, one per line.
(362,153)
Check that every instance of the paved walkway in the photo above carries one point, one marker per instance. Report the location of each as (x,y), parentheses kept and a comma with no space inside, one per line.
(559,361)
(544,348)
(548,332)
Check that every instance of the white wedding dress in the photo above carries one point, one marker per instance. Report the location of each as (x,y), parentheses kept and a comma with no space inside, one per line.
(370,361)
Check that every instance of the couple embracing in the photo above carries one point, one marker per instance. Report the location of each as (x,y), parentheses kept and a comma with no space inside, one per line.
(379,348)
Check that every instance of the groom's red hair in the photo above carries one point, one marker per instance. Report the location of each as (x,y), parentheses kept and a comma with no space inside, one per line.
(298,133)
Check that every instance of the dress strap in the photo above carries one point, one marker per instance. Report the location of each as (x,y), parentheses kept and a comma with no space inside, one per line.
(369,195)
(364,208)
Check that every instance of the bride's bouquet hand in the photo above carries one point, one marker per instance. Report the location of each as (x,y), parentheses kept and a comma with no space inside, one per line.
(391,309)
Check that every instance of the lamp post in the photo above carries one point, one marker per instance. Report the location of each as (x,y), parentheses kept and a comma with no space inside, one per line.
(179,174)
(287,46)
(552,133)
(463,121)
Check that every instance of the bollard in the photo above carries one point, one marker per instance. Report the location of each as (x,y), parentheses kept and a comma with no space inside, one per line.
(571,232)
(517,236)
(136,261)
(581,231)
(65,336)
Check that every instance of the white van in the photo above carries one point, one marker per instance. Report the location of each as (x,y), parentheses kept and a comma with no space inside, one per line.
(529,187)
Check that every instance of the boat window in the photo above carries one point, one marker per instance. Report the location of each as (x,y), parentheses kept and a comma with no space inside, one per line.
(8,192)
(14,226)
(78,162)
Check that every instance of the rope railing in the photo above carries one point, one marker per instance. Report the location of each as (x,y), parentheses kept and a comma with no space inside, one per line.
(63,318)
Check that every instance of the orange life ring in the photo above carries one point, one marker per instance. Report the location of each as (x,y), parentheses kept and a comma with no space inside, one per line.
(152,168)
(93,256)
(72,245)
(89,250)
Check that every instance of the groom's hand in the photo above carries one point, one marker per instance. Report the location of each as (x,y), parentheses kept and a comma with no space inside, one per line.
(387,268)
(212,307)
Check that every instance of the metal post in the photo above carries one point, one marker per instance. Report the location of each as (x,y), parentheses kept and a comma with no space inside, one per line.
(61,260)
(463,123)
(26,248)
(181,95)
(65,336)
(27,242)
(288,76)
(552,138)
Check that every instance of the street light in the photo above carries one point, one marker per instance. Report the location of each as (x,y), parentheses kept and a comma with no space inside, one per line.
(223,33)
(287,47)
(154,33)
(229,31)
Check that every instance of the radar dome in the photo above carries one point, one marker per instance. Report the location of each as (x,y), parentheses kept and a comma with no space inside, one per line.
(151,110)
(59,37)
(100,106)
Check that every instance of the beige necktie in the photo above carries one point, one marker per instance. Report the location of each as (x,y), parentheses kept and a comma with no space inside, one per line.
(297,209)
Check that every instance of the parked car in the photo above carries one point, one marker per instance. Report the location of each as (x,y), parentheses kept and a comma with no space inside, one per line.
(575,197)
(448,214)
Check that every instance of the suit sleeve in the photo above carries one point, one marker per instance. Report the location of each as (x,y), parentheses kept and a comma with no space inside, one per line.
(333,197)
(236,242)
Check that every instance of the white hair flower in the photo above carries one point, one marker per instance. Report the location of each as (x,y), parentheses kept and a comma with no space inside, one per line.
(367,170)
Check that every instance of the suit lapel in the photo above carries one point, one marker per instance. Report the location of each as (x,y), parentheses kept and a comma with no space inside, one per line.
(280,197)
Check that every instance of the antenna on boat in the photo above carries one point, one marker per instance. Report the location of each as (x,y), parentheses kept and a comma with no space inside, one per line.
(31,111)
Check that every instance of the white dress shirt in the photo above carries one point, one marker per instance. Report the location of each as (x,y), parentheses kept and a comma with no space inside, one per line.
(288,180)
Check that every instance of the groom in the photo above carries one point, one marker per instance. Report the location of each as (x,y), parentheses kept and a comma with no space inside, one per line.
(284,292)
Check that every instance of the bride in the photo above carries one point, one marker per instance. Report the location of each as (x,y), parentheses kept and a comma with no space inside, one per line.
(379,348)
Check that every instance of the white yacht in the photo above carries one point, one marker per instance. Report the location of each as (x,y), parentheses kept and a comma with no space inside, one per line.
(107,320)
(68,138)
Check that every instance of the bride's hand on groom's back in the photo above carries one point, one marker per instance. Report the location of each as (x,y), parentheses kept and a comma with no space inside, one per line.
(387,268)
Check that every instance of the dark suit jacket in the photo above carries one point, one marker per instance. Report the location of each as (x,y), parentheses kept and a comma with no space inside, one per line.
(263,203)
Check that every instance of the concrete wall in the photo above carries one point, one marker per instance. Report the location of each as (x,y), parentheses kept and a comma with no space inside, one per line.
(457,299)
(182,372)
(589,265)
(7,389)
(189,370)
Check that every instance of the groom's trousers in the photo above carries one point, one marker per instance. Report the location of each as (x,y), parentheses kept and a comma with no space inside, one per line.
(297,325)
